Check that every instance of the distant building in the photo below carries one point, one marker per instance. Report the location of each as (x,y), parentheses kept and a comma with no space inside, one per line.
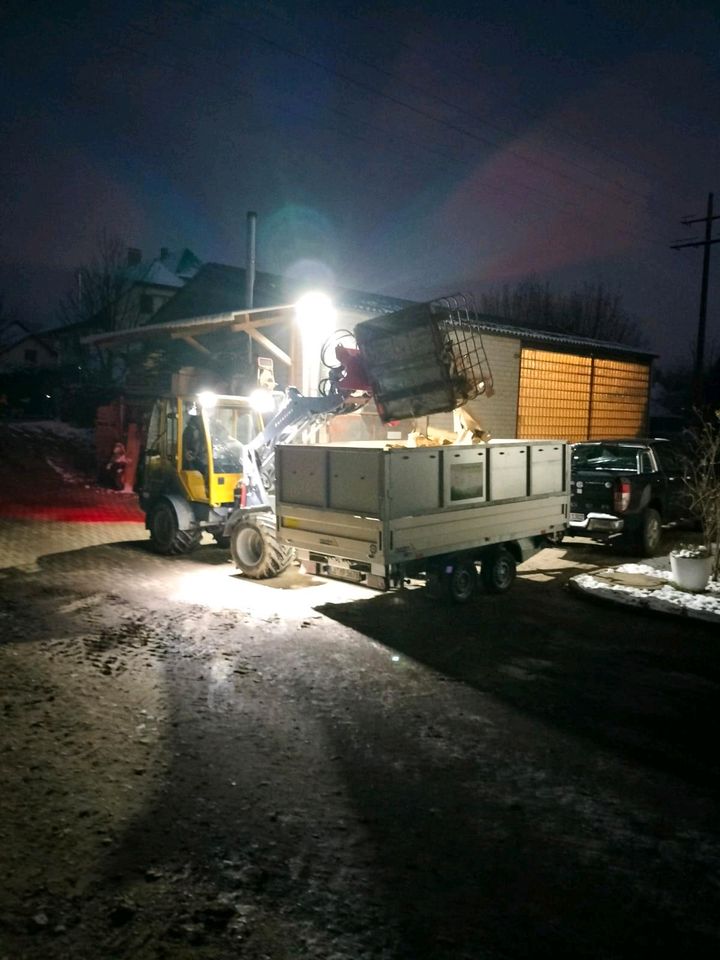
(153,283)
(21,349)
(142,288)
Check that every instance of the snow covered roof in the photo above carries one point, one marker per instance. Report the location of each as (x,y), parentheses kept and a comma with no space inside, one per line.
(173,268)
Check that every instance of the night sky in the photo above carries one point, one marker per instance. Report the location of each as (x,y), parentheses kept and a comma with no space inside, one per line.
(408,149)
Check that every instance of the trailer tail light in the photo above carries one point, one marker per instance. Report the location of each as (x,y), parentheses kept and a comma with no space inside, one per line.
(621,497)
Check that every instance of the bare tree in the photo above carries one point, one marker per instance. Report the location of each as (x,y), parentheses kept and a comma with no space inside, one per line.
(101,296)
(101,300)
(7,314)
(703,483)
(590,311)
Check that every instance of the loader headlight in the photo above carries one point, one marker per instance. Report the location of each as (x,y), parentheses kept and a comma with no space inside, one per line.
(207,399)
(262,401)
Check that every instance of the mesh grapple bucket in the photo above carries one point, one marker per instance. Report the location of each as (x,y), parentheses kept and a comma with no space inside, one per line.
(427,358)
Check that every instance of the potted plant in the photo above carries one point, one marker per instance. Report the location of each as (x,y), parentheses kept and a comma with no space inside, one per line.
(702,480)
(691,566)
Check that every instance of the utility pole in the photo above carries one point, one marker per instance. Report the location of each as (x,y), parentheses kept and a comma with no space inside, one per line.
(698,371)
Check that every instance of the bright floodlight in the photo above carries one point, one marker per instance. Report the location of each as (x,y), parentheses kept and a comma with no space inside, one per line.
(262,401)
(316,315)
(207,399)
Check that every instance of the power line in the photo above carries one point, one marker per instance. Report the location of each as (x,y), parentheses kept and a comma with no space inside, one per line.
(462,110)
(533,188)
(204,78)
(474,65)
(425,114)
(699,369)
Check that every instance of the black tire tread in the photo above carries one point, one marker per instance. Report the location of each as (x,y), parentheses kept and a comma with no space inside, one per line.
(184,541)
(277,557)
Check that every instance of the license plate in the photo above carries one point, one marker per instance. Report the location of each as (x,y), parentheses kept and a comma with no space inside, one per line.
(577,517)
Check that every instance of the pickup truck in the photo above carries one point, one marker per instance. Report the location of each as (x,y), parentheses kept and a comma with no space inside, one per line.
(627,489)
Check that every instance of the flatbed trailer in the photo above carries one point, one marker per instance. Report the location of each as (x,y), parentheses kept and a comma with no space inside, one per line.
(382,515)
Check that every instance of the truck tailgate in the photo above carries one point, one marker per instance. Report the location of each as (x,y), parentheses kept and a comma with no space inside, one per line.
(591,492)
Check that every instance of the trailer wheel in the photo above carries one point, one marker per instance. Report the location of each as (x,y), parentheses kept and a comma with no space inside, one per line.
(256,550)
(462,582)
(165,534)
(498,570)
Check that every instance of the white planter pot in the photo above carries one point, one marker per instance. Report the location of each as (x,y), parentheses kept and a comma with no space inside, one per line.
(691,573)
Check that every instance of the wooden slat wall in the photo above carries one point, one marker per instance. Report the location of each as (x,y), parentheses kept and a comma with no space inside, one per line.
(554,395)
(619,399)
(570,397)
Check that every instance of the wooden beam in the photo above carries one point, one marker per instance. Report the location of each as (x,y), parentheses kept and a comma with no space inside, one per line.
(263,341)
(192,342)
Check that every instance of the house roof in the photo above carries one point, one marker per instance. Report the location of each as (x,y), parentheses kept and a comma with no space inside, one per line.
(11,333)
(171,269)
(212,301)
(217,289)
(490,324)
(154,273)
(15,333)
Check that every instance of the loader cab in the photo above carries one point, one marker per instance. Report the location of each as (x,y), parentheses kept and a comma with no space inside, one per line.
(194,447)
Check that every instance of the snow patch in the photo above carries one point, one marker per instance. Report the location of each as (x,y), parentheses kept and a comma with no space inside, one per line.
(664,598)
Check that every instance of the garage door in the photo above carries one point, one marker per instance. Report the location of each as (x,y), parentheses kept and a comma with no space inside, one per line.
(571,397)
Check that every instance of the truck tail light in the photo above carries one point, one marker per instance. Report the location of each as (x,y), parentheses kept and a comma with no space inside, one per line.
(621,497)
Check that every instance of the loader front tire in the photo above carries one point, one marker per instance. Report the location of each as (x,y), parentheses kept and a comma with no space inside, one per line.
(256,550)
(165,535)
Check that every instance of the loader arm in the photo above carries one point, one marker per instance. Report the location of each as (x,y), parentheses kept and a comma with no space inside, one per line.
(297,414)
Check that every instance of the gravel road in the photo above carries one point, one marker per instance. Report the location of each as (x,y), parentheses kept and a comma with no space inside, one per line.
(196,765)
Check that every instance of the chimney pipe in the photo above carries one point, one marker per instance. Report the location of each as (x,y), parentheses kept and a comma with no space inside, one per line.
(250,262)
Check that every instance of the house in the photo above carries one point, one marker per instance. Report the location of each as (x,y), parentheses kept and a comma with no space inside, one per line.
(138,290)
(153,283)
(545,385)
(552,385)
(21,349)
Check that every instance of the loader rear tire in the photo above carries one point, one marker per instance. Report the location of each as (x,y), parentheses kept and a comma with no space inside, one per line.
(165,534)
(256,550)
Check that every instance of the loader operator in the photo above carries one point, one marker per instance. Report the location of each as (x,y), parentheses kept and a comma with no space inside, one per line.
(194,452)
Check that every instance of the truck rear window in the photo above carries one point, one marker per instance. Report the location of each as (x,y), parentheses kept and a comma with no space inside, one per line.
(605,457)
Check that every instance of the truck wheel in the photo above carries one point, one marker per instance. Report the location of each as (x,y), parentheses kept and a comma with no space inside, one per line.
(165,535)
(650,534)
(256,550)
(498,570)
(463,582)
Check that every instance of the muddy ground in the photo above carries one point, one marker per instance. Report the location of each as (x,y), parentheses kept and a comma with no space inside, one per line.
(194,765)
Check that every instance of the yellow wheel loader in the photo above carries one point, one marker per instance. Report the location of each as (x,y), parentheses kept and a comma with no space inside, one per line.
(192,467)
(208,465)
